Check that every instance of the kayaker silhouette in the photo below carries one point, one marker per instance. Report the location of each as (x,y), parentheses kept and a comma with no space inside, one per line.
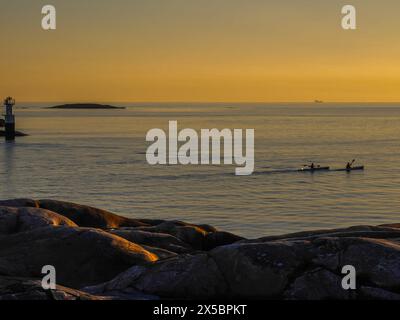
(349,164)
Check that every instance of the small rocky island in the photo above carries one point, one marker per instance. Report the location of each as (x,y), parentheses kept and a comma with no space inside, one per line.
(99,255)
(85,106)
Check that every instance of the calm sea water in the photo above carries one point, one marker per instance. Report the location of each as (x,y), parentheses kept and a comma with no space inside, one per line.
(98,158)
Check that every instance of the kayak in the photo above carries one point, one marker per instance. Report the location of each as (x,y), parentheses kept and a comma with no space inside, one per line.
(352,169)
(314,169)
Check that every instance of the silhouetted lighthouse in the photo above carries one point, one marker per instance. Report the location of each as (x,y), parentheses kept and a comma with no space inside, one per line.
(9,123)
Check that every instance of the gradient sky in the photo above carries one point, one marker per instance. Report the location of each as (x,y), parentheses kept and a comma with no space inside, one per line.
(200,50)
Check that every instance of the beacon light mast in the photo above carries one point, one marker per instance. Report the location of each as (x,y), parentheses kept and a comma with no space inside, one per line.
(9,124)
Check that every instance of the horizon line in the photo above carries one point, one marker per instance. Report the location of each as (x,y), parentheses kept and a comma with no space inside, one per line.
(204,102)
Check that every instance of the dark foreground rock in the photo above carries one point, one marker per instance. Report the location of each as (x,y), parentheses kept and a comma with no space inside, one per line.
(153,239)
(16,203)
(13,288)
(14,220)
(81,256)
(100,255)
(86,216)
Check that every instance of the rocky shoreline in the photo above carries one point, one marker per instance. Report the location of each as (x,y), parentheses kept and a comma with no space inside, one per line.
(100,256)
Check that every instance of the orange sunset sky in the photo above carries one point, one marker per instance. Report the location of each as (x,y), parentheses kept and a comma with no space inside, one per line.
(200,50)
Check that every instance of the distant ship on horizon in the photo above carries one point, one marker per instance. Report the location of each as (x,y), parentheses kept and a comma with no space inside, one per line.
(318,101)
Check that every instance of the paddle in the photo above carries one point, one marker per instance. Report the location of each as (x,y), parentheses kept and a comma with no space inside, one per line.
(348,167)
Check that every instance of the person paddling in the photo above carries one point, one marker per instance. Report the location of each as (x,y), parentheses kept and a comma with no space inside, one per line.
(350,164)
